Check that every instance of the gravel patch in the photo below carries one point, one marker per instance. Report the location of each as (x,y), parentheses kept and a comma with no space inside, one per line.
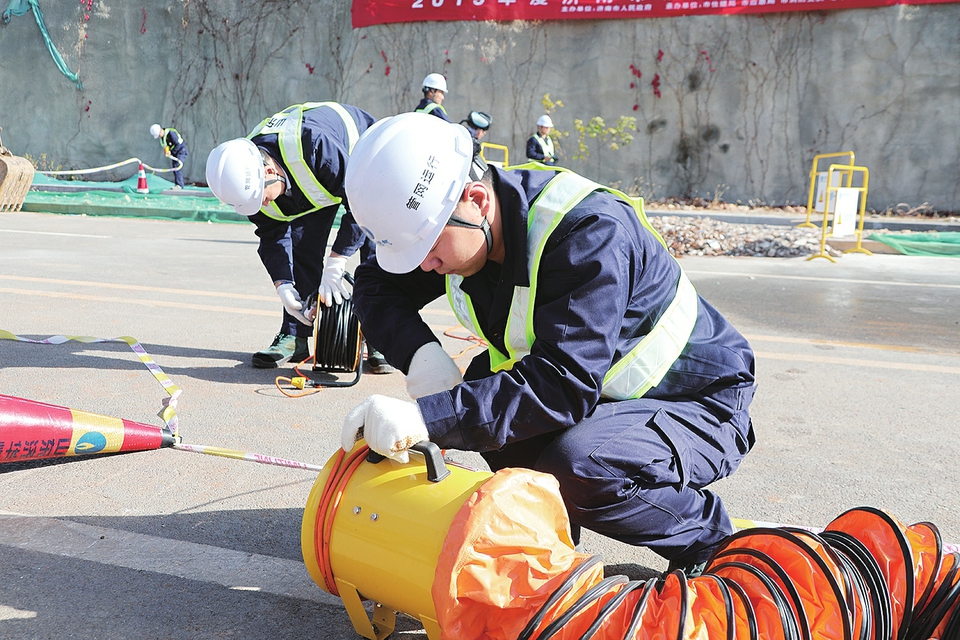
(686,236)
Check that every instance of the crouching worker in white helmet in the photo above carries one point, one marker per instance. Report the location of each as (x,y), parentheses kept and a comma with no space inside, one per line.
(287,176)
(604,366)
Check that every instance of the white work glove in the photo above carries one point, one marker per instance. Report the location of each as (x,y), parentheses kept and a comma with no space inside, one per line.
(432,371)
(292,302)
(332,285)
(389,426)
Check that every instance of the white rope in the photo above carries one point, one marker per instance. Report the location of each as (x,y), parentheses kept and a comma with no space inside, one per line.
(77,172)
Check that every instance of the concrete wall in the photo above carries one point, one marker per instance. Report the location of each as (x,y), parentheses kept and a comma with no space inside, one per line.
(745,101)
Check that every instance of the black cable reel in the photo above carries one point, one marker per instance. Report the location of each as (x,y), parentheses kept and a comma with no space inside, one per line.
(337,341)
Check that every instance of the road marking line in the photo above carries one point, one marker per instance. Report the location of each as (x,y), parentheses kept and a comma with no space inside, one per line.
(856,362)
(820,279)
(238,570)
(146,303)
(854,345)
(55,233)
(9,613)
(132,287)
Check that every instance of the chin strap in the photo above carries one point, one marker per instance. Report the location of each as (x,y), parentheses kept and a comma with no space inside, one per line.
(457,221)
(477,169)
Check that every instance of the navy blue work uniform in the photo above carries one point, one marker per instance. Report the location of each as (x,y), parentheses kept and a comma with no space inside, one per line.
(633,470)
(429,106)
(174,145)
(535,149)
(295,249)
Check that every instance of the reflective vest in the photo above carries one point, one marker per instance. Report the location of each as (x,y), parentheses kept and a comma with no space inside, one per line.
(430,107)
(168,146)
(546,145)
(288,126)
(636,372)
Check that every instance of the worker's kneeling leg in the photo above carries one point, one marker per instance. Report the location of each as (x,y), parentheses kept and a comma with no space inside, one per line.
(634,471)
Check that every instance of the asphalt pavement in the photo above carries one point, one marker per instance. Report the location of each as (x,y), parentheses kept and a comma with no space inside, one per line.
(858,364)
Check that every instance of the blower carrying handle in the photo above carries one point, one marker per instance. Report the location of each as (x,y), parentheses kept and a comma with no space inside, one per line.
(436,467)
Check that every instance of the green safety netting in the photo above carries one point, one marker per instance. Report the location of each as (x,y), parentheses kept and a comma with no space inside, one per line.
(936,243)
(19,8)
(121,199)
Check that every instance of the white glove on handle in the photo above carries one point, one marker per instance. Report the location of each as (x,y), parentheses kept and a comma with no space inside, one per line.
(332,285)
(389,426)
(432,371)
(292,302)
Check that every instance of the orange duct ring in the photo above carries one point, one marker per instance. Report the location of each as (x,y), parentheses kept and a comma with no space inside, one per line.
(927,548)
(869,571)
(775,572)
(705,619)
(770,608)
(886,540)
(745,621)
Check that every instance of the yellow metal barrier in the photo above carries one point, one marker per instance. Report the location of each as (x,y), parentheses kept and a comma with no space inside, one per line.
(861,193)
(499,147)
(815,175)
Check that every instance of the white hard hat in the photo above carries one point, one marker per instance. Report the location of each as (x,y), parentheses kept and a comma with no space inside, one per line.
(544,121)
(155,130)
(435,81)
(405,177)
(235,175)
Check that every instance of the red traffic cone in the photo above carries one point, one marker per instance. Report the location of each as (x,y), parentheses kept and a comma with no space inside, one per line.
(142,181)
(31,430)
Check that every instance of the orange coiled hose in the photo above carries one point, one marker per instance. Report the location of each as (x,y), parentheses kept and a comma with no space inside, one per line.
(343,467)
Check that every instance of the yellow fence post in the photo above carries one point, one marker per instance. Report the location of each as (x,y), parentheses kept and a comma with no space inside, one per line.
(847,171)
(814,174)
(499,147)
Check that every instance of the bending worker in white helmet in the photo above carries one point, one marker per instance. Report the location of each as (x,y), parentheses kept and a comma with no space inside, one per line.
(604,367)
(540,144)
(174,148)
(434,91)
(287,176)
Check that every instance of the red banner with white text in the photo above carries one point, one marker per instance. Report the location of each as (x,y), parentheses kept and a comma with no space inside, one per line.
(370,12)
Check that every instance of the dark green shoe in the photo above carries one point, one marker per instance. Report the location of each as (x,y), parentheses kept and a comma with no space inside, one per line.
(376,363)
(285,348)
(691,570)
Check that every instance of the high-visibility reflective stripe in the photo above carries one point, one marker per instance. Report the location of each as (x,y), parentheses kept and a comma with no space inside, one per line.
(546,144)
(546,212)
(288,125)
(644,367)
(459,302)
(639,370)
(431,107)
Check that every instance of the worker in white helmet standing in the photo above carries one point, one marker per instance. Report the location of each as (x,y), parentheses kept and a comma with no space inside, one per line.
(287,176)
(434,91)
(540,144)
(603,366)
(174,148)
